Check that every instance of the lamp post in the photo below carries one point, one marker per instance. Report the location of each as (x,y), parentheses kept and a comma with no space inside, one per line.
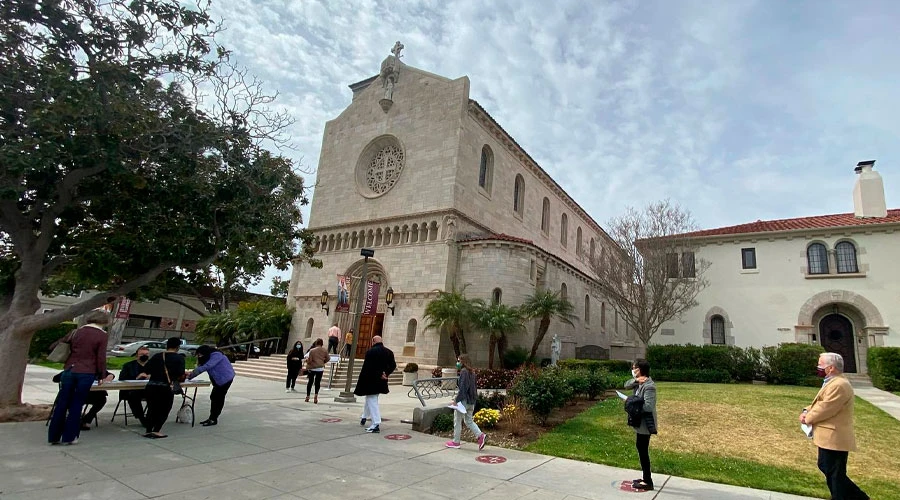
(346,396)
(389,299)
(324,302)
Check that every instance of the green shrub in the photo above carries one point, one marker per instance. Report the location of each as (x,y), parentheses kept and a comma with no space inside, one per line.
(40,343)
(884,367)
(578,381)
(599,382)
(616,365)
(741,364)
(541,391)
(610,365)
(790,364)
(494,400)
(411,368)
(514,357)
(442,423)
(702,376)
(495,379)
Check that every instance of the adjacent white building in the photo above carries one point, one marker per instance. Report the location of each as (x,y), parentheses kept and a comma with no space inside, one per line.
(832,280)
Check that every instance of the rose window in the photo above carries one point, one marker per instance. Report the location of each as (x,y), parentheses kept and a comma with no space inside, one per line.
(384,169)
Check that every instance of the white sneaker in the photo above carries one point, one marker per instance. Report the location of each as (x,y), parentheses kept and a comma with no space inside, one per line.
(287,390)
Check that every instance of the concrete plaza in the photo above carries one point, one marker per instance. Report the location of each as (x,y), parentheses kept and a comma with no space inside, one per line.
(270,444)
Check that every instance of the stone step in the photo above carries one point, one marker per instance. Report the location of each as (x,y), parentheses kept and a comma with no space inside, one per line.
(274,367)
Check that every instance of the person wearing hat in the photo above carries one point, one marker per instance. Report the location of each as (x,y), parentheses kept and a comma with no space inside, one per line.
(221,374)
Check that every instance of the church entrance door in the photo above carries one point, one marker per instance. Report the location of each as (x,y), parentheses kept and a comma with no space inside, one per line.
(369,326)
(836,334)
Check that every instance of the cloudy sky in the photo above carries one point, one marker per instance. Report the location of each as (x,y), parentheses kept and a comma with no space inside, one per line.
(739,110)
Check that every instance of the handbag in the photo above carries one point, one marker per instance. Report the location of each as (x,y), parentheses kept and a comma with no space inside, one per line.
(63,349)
(173,384)
(185,414)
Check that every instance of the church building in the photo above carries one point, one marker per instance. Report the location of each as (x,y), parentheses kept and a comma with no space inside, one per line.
(831,280)
(417,171)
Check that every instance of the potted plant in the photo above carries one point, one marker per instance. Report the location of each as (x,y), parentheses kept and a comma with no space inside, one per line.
(410,373)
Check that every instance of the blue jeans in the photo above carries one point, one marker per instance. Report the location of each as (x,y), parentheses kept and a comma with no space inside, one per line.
(65,424)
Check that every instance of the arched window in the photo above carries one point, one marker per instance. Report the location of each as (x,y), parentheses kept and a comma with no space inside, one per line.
(519,195)
(579,248)
(486,169)
(717,329)
(411,331)
(846,257)
(563,291)
(593,249)
(817,258)
(564,230)
(545,216)
(587,309)
(496,296)
(309,327)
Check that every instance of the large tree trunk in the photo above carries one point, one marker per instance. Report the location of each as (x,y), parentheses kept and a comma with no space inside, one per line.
(542,331)
(13,359)
(455,341)
(462,342)
(501,349)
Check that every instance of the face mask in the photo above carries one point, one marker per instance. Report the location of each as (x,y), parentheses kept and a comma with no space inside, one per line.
(298,347)
(458,365)
(635,372)
(143,359)
(820,371)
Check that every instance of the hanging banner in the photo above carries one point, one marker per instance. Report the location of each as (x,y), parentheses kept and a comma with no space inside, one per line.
(372,289)
(124,308)
(343,294)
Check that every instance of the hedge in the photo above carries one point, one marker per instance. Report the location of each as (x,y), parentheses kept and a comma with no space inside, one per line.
(884,367)
(742,364)
(791,364)
(702,376)
(43,339)
(610,365)
(494,379)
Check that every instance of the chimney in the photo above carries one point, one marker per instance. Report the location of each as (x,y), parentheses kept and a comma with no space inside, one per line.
(868,193)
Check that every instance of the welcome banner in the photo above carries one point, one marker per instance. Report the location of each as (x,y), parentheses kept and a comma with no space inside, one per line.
(371,305)
(343,294)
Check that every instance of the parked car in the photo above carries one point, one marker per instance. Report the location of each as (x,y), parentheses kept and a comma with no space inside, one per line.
(191,348)
(154,346)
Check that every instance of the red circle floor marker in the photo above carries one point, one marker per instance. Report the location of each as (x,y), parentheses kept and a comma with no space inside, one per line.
(398,437)
(330,420)
(627,486)
(490,459)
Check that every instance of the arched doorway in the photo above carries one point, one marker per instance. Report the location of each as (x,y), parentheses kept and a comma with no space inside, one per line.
(370,325)
(836,335)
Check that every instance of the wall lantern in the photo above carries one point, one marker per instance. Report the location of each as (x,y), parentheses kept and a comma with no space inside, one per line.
(389,299)
(324,301)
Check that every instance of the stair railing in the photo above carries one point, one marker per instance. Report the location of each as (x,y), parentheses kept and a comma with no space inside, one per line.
(267,346)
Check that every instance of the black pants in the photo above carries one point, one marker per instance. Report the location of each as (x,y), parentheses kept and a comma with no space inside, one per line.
(642,443)
(96,400)
(834,465)
(332,345)
(159,404)
(217,399)
(292,377)
(314,377)
(346,350)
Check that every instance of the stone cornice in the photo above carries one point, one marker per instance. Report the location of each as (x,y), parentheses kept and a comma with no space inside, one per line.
(503,137)
(398,219)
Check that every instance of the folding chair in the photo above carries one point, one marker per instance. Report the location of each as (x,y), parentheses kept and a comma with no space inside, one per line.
(126,409)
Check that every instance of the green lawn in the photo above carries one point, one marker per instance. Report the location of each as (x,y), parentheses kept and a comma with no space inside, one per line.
(745,435)
(114,363)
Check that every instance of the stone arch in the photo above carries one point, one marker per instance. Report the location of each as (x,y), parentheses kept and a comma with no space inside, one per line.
(414,234)
(330,242)
(866,308)
(378,237)
(309,328)
(395,239)
(433,231)
(707,325)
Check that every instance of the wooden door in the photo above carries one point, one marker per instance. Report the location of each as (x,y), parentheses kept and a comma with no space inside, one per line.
(369,326)
(836,334)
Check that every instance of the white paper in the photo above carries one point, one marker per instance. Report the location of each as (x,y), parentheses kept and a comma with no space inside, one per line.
(621,396)
(458,407)
(807,429)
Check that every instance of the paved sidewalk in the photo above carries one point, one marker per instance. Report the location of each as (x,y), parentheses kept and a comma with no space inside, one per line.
(269,444)
(887,401)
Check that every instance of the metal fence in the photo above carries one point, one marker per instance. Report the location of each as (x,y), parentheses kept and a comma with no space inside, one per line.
(434,388)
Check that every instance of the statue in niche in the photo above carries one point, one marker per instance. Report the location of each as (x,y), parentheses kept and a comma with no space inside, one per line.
(555,349)
(450,220)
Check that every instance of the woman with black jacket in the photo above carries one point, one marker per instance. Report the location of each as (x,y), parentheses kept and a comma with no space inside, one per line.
(294,365)
(162,369)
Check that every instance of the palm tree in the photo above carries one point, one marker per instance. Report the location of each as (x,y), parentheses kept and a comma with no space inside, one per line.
(451,311)
(546,305)
(499,320)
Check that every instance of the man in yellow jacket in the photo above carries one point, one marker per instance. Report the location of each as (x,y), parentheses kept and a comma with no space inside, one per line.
(831,417)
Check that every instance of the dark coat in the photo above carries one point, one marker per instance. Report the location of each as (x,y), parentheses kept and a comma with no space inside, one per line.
(644,422)
(379,360)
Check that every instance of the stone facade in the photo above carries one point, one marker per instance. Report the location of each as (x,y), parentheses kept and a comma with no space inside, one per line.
(425,177)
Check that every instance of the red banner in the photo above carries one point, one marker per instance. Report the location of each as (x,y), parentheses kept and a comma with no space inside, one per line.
(124,308)
(371,305)
(343,294)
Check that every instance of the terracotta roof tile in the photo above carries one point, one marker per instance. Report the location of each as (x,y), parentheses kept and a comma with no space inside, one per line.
(801,223)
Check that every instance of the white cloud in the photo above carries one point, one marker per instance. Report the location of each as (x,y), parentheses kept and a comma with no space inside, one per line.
(739,110)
